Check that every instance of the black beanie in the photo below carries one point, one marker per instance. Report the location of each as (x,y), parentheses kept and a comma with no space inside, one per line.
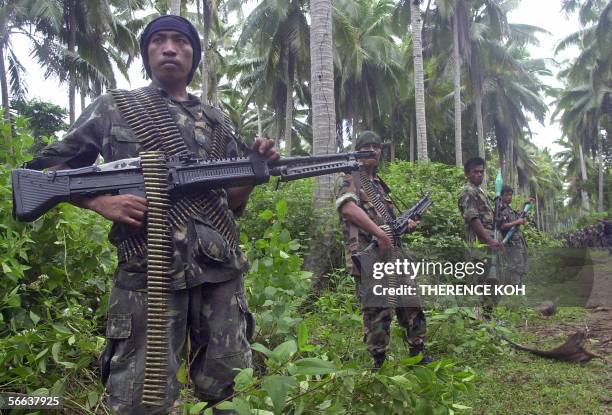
(178,24)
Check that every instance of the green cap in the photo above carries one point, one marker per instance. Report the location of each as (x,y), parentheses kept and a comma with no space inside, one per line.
(367,137)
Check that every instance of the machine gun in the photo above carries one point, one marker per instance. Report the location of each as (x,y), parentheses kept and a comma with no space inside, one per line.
(35,192)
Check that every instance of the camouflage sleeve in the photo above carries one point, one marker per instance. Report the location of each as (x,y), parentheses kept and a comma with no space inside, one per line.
(468,205)
(346,192)
(83,143)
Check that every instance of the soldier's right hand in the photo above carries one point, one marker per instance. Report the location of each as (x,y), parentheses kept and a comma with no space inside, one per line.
(494,244)
(128,209)
(384,242)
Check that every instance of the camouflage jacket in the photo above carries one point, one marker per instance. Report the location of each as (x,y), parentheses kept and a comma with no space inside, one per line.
(346,192)
(510,215)
(201,254)
(474,203)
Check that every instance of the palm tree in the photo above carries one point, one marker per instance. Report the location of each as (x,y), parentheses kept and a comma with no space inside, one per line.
(279,33)
(323,128)
(419,87)
(369,69)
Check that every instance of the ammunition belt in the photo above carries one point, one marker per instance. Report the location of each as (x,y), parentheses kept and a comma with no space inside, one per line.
(159,256)
(375,198)
(148,116)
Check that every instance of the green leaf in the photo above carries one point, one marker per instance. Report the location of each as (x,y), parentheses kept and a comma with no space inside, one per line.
(284,351)
(241,406)
(34,317)
(278,388)
(55,350)
(284,237)
(258,347)
(302,332)
(281,208)
(61,328)
(312,366)
(244,379)
(266,214)
(92,398)
(181,374)
(284,255)
(197,408)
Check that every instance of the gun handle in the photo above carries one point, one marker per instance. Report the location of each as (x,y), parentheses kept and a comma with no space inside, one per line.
(35,192)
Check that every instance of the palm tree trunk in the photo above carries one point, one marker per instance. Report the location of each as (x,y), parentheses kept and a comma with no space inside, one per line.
(71,48)
(537,200)
(457,82)
(259,127)
(207,18)
(175,7)
(4,86)
(324,130)
(600,174)
(479,122)
(583,172)
(411,143)
(419,87)
(392,144)
(289,104)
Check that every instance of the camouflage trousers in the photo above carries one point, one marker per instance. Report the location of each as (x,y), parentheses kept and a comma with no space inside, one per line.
(514,264)
(216,318)
(377,324)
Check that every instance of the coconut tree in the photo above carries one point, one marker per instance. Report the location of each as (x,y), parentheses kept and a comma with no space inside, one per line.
(278,33)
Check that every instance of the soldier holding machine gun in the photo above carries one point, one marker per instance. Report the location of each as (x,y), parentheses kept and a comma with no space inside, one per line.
(366,213)
(180,270)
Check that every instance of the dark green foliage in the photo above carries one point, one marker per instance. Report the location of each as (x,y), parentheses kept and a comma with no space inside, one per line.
(45,120)
(53,286)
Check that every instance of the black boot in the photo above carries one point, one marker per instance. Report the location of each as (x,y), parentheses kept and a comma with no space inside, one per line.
(379,360)
(420,348)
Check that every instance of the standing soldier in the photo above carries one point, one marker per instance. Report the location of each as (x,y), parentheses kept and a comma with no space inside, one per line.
(206,297)
(361,218)
(515,255)
(478,216)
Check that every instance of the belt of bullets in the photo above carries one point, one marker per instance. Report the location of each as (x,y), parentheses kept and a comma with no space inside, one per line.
(160,250)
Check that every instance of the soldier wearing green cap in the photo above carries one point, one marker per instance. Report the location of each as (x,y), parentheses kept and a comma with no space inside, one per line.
(361,224)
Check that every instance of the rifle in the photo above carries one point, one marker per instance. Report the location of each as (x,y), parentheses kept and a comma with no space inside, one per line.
(396,228)
(400,225)
(35,192)
(513,230)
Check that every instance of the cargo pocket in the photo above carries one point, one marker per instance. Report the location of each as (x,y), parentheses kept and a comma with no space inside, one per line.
(126,144)
(118,369)
(209,246)
(248,316)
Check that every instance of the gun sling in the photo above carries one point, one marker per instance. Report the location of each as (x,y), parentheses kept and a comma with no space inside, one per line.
(149,117)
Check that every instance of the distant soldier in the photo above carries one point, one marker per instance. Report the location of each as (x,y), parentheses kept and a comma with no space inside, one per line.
(361,217)
(515,255)
(478,216)
(607,234)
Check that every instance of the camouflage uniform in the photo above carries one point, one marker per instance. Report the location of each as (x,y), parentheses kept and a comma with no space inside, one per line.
(474,204)
(207,299)
(376,320)
(514,259)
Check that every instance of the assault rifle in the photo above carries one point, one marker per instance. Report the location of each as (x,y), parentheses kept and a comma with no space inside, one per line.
(513,230)
(400,225)
(395,229)
(35,192)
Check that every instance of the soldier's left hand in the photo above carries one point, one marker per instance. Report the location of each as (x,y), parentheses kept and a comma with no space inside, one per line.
(265,147)
(412,224)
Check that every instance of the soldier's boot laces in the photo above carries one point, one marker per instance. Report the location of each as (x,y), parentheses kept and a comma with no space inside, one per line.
(420,348)
(379,360)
